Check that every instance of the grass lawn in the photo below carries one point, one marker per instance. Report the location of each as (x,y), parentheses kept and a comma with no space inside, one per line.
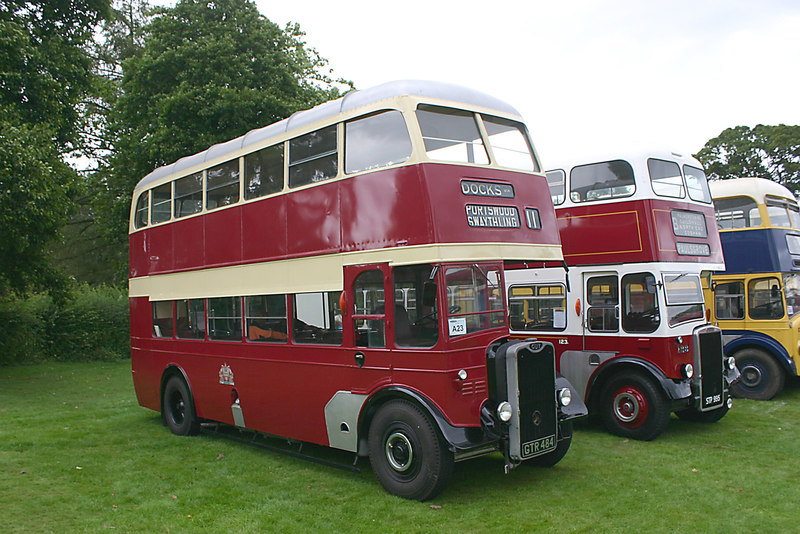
(77,453)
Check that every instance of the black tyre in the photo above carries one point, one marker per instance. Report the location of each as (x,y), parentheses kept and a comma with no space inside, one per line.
(407,455)
(177,408)
(693,414)
(552,458)
(633,406)
(762,376)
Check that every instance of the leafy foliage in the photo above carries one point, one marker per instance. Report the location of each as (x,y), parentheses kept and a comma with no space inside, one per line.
(89,324)
(771,152)
(45,74)
(208,71)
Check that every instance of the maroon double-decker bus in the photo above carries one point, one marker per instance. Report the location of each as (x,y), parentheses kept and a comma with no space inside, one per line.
(337,278)
(629,326)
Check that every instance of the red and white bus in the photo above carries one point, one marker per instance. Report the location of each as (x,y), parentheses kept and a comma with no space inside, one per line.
(629,325)
(337,278)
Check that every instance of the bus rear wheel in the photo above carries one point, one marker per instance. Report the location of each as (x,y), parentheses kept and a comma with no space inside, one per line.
(632,406)
(407,455)
(177,408)
(762,376)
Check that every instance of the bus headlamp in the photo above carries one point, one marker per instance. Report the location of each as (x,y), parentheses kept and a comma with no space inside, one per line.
(688,370)
(564,396)
(731,363)
(504,411)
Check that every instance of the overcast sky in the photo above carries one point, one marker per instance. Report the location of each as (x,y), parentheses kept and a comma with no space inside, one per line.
(587,76)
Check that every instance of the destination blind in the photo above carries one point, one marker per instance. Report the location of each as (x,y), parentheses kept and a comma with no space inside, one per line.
(482,216)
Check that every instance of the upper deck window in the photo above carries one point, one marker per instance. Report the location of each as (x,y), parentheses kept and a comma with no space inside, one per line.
(222,185)
(376,141)
(313,157)
(263,172)
(451,135)
(162,202)
(602,181)
(188,194)
(666,179)
(697,184)
(736,212)
(509,144)
(557,181)
(142,205)
(782,212)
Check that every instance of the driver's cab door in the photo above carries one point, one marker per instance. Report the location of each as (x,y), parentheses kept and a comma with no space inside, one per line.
(601,312)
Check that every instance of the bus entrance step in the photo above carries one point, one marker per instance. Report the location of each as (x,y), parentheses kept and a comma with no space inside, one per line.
(250,437)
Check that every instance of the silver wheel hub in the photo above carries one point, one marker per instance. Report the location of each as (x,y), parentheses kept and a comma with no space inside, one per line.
(399,452)
(626,407)
(751,375)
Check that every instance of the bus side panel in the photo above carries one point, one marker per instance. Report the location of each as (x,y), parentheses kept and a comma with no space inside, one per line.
(137,254)
(435,376)
(146,370)
(313,220)
(264,231)
(187,241)
(384,209)
(223,237)
(756,250)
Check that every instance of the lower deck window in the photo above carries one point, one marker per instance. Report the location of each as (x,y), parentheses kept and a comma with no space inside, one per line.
(639,303)
(317,318)
(537,307)
(162,319)
(265,318)
(765,300)
(225,319)
(729,300)
(191,319)
(602,296)
(475,299)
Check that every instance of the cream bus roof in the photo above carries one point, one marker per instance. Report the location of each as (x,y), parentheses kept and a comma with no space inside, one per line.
(756,188)
(353,100)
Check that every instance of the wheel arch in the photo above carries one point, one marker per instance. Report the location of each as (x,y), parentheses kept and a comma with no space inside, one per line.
(748,339)
(170,371)
(628,363)
(455,438)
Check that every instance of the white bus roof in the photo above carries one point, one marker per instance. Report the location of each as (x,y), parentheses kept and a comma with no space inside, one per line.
(629,156)
(354,99)
(757,188)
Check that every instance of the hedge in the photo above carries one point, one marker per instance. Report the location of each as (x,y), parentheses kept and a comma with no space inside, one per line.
(91,324)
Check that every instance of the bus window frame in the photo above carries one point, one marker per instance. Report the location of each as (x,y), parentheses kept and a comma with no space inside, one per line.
(575,195)
(536,297)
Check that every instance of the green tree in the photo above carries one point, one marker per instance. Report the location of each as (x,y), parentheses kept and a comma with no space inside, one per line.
(771,152)
(45,71)
(90,257)
(209,71)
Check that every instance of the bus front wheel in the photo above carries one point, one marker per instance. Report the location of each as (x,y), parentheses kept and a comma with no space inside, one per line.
(632,406)
(407,455)
(177,408)
(552,458)
(762,376)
